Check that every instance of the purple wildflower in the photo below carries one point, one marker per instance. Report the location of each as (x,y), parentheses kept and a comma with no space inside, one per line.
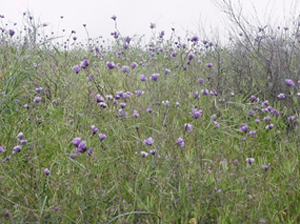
(180,142)
(47,171)
(76,68)
(94,129)
(90,151)
(166,103)
(122,113)
(154,76)
(23,142)
(196,95)
(134,65)
(144,154)
(110,65)
(269,126)
(21,136)
(265,103)
(265,168)
(196,113)
(281,96)
(205,92)
(244,128)
(274,111)
(250,160)
(191,56)
(123,105)
(149,141)
(149,110)
(1,149)
(11,32)
(72,156)
(81,147)
(99,98)
(39,89)
(76,141)
(127,39)
(37,99)
(188,127)
(135,113)
(289,82)
(113,17)
(152,25)
(84,64)
(201,80)
(102,137)
(125,69)
(209,65)
(217,125)
(291,118)
(153,151)
(139,92)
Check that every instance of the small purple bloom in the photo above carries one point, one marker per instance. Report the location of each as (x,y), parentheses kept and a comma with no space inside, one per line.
(37,99)
(149,141)
(26,106)
(144,154)
(1,149)
(122,113)
(99,98)
(152,25)
(84,64)
(281,96)
(188,127)
(274,111)
(217,125)
(257,121)
(17,149)
(196,113)
(139,92)
(289,82)
(94,129)
(250,160)
(113,17)
(47,171)
(122,105)
(11,32)
(110,65)
(153,151)
(201,80)
(251,133)
(127,39)
(76,68)
(166,103)
(213,92)
(265,103)
(135,114)
(143,78)
(23,142)
(291,118)
(102,137)
(125,69)
(269,126)
(90,151)
(81,147)
(209,65)
(180,142)
(244,128)
(265,168)
(205,92)
(191,56)
(134,65)
(76,141)
(21,136)
(196,95)
(154,76)
(72,156)
(149,110)
(39,89)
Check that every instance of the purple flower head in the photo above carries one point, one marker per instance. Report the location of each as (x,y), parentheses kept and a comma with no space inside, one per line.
(209,65)
(1,149)
(143,78)
(72,156)
(127,39)
(103,105)
(244,128)
(289,82)
(37,99)
(180,142)
(166,103)
(21,136)
(149,110)
(213,92)
(274,111)
(125,69)
(81,147)
(257,121)
(265,110)
(269,126)
(26,106)
(161,34)
(113,17)
(188,127)
(251,112)
(135,113)
(122,113)
(232,94)
(217,125)
(94,129)
(76,141)
(213,117)
(23,142)
(154,76)
(267,118)
(149,141)
(265,103)
(167,71)
(191,56)
(11,33)
(250,160)
(122,105)
(102,136)
(194,39)
(110,65)
(196,113)
(196,95)
(281,96)
(99,98)
(152,25)
(177,104)
(144,154)
(153,151)
(134,65)
(266,168)
(139,92)
(76,68)
(201,80)
(74,38)
(205,92)
(251,133)
(6,213)
(47,171)
(291,118)
(84,64)
(39,89)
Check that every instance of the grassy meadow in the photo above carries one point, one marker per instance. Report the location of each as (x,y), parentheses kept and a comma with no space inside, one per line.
(177,130)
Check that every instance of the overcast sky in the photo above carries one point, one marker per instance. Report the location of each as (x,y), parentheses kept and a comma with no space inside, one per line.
(135,16)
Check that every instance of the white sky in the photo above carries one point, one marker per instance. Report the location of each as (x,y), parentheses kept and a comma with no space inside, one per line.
(134,16)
